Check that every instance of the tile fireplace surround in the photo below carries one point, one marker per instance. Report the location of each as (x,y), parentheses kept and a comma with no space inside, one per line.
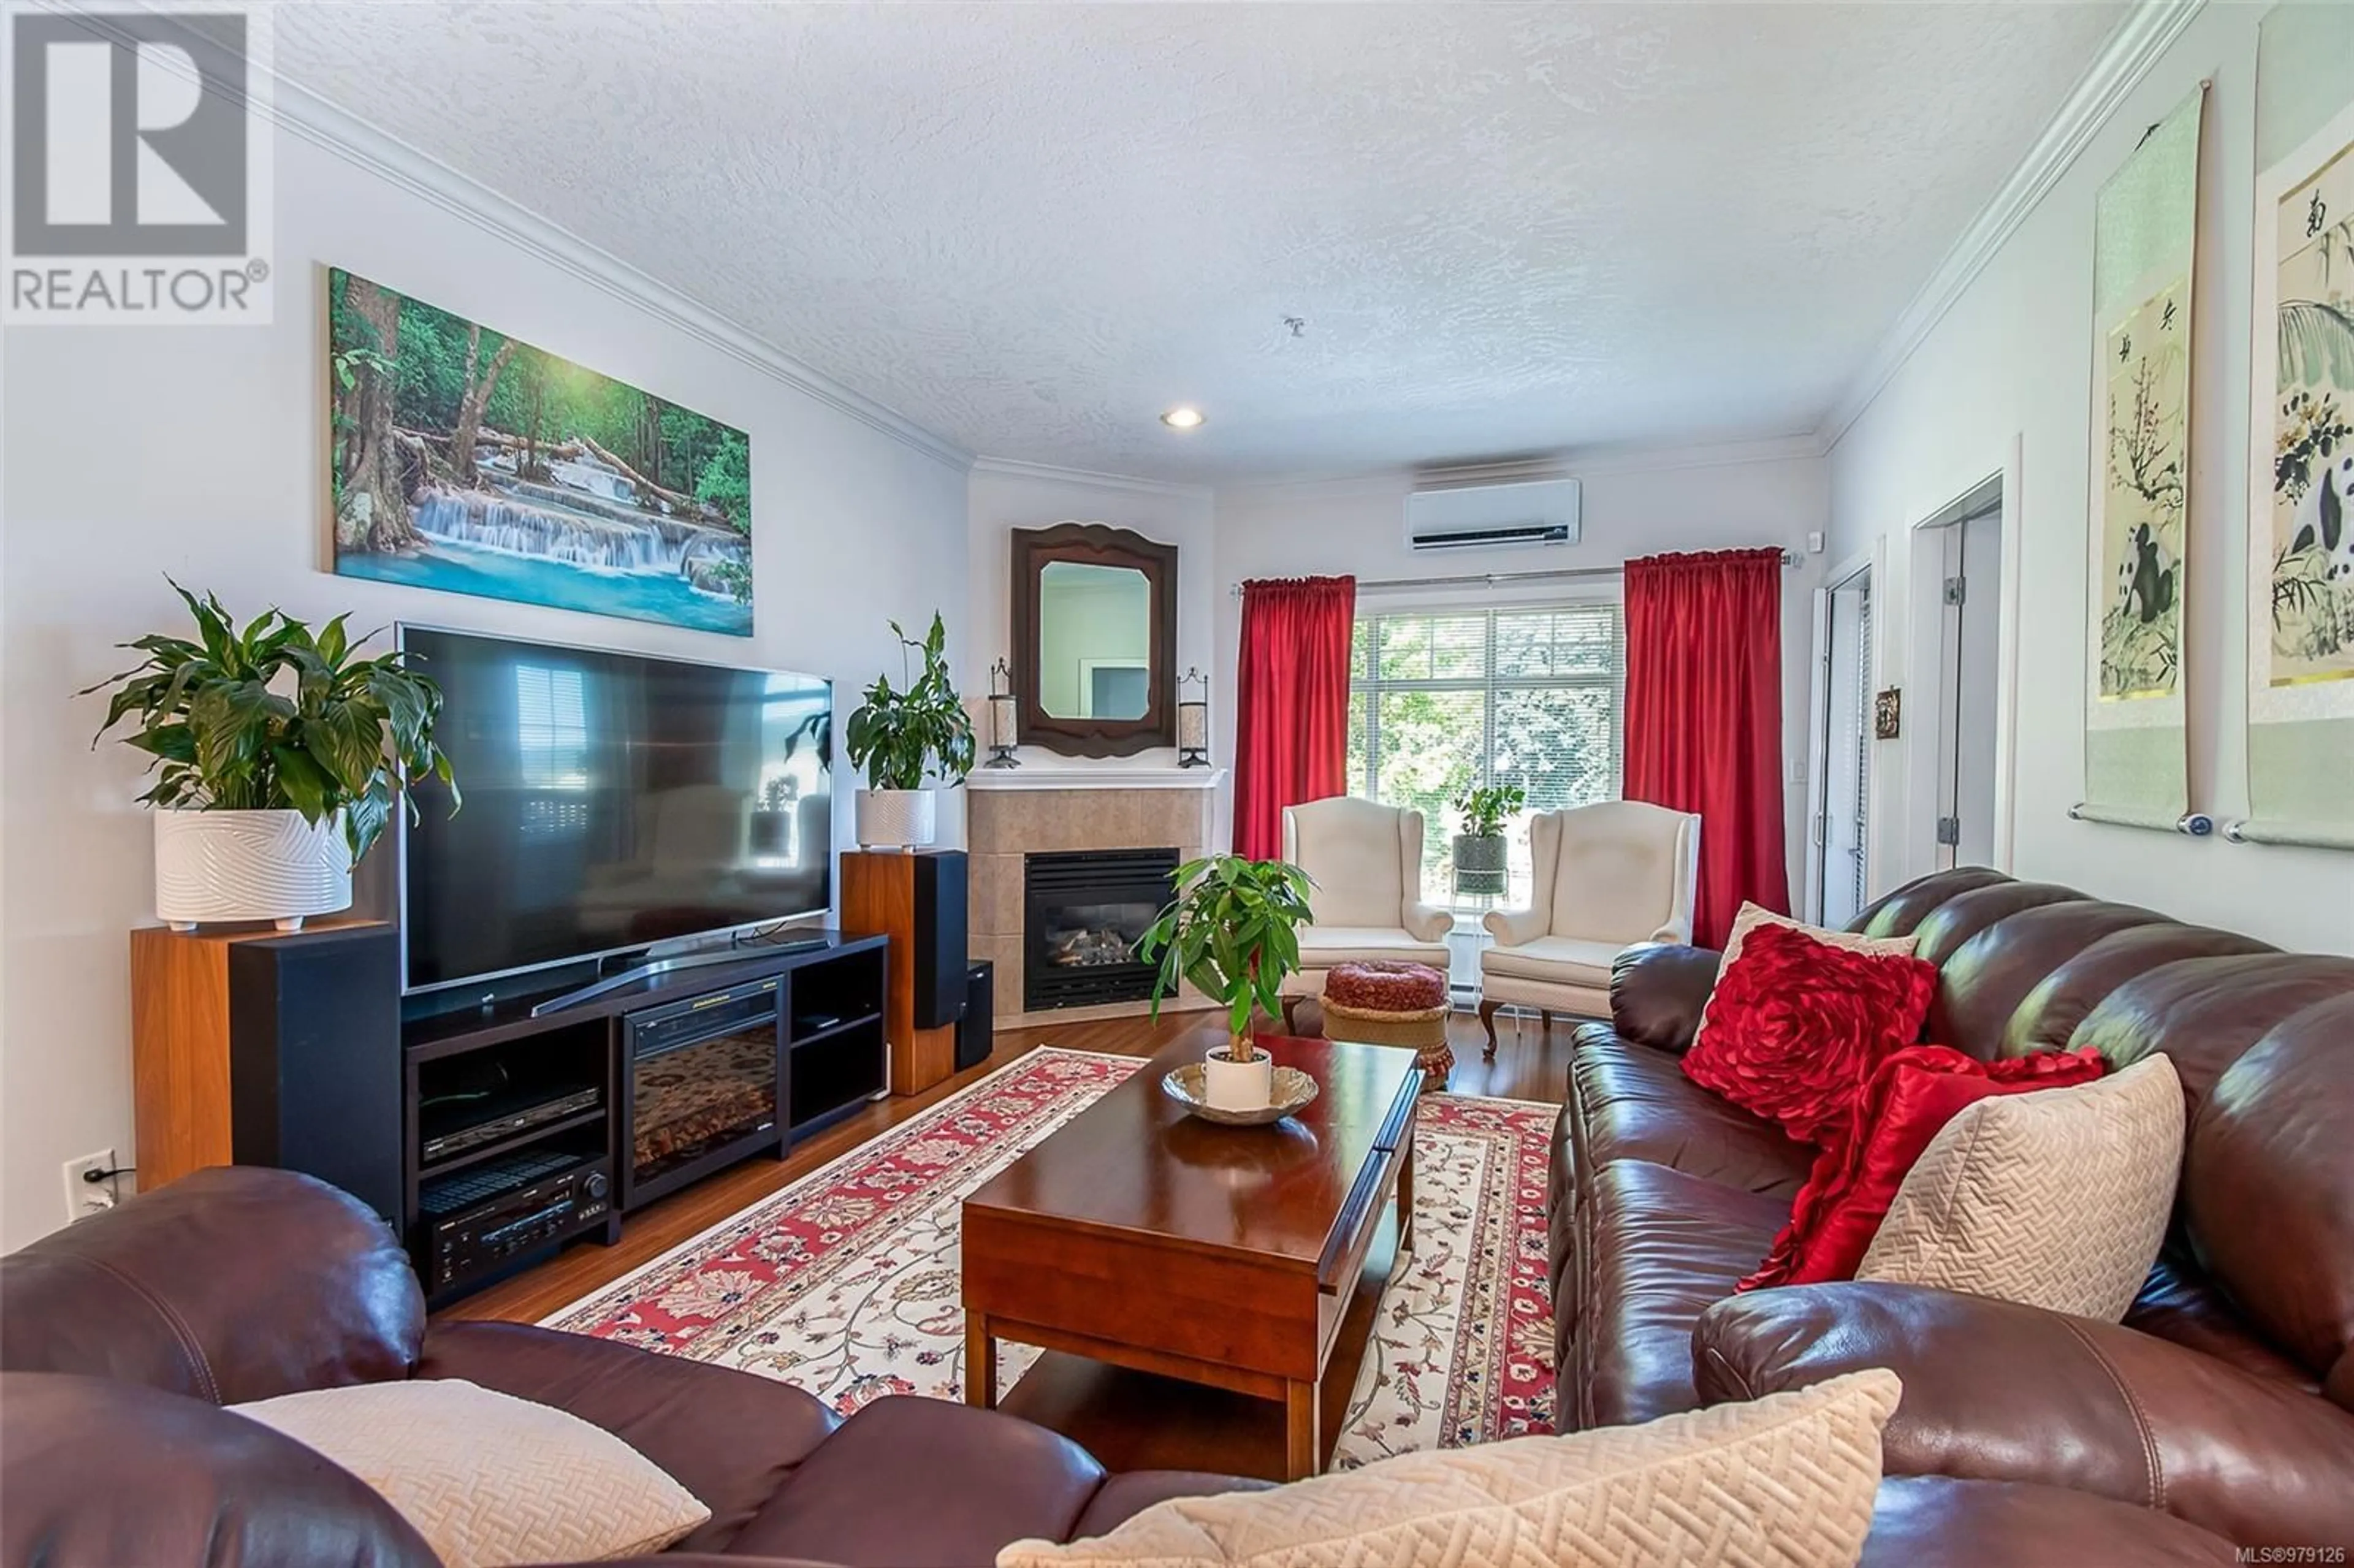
(1012,813)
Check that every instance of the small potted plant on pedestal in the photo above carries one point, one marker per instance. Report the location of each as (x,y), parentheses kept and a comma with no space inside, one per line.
(899,737)
(1479,857)
(279,759)
(1233,931)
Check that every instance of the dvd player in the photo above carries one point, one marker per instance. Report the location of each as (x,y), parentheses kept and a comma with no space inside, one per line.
(507,1125)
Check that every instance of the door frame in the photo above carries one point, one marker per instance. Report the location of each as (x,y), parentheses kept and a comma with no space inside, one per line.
(1862,564)
(1916,795)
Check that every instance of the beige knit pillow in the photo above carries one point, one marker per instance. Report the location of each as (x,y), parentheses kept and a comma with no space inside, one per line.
(2057,1199)
(489,1480)
(1752,916)
(1784,1482)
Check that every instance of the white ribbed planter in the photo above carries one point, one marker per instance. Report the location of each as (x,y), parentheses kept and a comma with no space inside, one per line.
(895,819)
(249,865)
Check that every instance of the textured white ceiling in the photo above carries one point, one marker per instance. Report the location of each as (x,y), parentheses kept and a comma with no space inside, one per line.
(1030,228)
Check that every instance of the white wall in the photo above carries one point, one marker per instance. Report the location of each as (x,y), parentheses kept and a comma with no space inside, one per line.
(2012,360)
(1701,500)
(1004,496)
(130,452)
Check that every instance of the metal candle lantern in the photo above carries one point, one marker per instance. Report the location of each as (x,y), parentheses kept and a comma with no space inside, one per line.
(1003,717)
(1193,720)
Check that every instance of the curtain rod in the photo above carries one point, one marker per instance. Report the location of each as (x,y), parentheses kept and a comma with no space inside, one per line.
(1498,580)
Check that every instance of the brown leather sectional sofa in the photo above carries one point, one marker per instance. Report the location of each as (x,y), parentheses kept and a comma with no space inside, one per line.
(2226,1398)
(121,1336)
(2024,1441)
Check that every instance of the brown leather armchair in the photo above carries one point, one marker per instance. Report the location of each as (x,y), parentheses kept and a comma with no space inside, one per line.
(2225,1399)
(121,1336)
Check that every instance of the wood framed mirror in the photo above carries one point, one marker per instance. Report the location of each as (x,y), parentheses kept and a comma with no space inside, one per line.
(1095,631)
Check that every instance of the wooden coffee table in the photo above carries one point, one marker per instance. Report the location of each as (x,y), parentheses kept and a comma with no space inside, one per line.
(1138,1237)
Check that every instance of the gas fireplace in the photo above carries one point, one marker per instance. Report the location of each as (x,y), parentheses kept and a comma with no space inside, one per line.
(1083,913)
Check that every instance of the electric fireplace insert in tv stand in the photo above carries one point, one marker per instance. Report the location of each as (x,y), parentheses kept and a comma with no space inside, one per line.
(523,1133)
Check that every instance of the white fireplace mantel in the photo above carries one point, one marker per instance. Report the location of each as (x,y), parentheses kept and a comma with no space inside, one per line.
(1111,776)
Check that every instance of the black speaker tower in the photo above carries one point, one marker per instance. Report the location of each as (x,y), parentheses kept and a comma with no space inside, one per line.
(975,1030)
(940,943)
(315,1058)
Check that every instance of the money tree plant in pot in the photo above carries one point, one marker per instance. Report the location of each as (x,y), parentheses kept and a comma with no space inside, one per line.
(1479,853)
(1231,932)
(901,736)
(280,756)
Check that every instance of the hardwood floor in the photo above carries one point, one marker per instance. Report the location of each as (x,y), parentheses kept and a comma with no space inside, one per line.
(1530,1064)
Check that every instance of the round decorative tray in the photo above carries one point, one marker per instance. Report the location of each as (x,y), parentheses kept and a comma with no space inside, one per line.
(1293,1091)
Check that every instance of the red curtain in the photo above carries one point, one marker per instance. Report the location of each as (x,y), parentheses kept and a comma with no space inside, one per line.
(1292,704)
(1704,718)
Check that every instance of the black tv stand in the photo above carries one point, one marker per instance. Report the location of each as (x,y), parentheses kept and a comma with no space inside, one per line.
(645,965)
(818,998)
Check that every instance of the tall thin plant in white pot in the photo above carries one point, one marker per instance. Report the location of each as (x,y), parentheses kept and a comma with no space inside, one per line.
(902,736)
(279,759)
(1233,933)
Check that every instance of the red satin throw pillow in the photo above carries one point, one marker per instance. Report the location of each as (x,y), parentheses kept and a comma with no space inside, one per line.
(1795,1027)
(1913,1093)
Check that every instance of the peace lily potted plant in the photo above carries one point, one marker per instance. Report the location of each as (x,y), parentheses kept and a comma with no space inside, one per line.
(1479,857)
(901,736)
(280,756)
(1233,931)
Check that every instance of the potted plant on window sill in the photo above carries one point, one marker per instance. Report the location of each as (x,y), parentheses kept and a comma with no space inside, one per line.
(900,737)
(1233,932)
(1479,853)
(279,759)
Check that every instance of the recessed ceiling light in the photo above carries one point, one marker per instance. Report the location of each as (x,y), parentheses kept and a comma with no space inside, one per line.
(1182,418)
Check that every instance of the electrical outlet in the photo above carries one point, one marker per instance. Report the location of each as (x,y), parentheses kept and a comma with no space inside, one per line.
(85,1197)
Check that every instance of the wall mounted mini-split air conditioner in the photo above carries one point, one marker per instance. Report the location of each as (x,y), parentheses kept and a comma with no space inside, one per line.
(1521,511)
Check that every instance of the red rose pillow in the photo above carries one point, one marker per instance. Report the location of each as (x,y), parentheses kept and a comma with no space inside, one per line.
(1913,1093)
(1795,1026)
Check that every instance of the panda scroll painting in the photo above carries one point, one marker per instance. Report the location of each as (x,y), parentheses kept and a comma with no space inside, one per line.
(2147,374)
(2312,457)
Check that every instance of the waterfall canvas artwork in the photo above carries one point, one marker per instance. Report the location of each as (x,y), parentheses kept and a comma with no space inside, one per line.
(473,462)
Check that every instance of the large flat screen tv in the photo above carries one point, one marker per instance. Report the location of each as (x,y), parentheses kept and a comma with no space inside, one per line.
(613,803)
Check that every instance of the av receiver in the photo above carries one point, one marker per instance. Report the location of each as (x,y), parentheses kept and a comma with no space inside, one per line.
(477,1221)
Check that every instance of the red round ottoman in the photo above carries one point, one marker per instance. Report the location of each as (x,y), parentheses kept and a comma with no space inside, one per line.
(1392,1004)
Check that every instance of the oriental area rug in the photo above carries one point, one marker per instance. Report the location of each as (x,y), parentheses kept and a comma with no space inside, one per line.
(846,1283)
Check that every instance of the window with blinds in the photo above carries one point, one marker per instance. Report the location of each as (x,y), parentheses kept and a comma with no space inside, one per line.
(1441,701)
(551,728)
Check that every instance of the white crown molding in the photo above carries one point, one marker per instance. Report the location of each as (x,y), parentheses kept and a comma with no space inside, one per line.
(1018,468)
(325,125)
(2116,71)
(1647,457)
(1056,773)
(2123,62)
(301,111)
(1575,463)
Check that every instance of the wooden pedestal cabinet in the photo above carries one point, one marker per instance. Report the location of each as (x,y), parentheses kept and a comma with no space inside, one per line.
(261,1047)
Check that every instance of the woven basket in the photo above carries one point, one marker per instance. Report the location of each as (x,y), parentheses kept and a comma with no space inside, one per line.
(1419,1028)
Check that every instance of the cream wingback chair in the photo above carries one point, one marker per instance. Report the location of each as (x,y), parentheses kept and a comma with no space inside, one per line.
(1603,878)
(1366,862)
